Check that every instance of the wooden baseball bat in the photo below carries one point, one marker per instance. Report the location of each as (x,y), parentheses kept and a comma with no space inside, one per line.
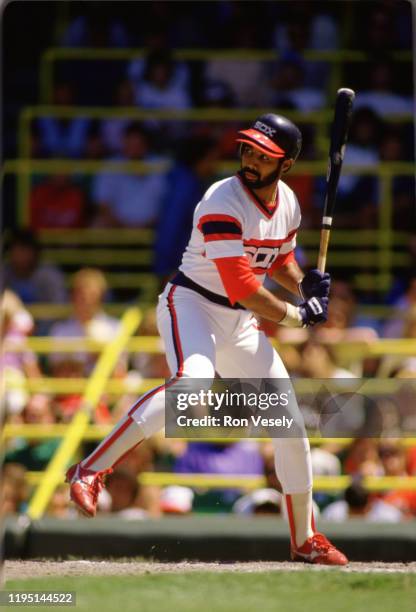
(339,132)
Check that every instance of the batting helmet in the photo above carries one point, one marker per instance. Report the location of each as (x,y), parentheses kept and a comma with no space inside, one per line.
(274,135)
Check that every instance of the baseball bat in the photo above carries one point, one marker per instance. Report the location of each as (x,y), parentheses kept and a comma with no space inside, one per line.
(339,132)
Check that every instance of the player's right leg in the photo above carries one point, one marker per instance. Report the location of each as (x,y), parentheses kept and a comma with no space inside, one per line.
(252,356)
(190,351)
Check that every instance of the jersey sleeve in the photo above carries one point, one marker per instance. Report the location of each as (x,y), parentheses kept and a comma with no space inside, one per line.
(237,277)
(223,236)
(221,226)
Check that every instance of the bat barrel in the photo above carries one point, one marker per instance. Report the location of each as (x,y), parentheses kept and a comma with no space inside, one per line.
(339,131)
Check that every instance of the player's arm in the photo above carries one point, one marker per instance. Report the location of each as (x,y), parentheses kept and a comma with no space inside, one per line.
(287,273)
(241,286)
(289,276)
(224,246)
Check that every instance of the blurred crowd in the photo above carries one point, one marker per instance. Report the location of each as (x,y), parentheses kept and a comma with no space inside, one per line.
(160,80)
(164,199)
(377,428)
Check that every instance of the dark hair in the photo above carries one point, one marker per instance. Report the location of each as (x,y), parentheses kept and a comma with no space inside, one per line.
(136,128)
(195,148)
(162,56)
(356,496)
(23,237)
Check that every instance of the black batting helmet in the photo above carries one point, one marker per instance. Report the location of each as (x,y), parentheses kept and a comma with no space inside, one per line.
(274,135)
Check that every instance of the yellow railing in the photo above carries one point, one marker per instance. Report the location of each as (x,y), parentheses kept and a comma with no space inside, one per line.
(152,344)
(376,246)
(328,484)
(96,236)
(321,119)
(64,386)
(95,433)
(335,58)
(47,311)
(55,470)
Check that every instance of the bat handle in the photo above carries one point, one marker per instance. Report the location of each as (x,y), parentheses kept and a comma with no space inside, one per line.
(323,248)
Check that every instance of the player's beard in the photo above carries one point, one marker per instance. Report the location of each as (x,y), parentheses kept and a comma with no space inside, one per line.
(259,183)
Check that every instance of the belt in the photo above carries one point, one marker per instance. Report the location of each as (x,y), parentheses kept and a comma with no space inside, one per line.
(183,281)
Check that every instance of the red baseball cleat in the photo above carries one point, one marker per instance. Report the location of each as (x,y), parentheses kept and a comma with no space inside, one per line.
(318,549)
(86,486)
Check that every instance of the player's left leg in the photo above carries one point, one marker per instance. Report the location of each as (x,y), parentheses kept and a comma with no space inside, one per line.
(189,339)
(249,354)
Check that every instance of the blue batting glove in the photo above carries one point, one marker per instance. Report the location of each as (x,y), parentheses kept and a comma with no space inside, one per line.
(315,284)
(314,311)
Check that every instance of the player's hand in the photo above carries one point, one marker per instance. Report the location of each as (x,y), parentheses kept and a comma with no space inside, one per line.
(315,284)
(314,311)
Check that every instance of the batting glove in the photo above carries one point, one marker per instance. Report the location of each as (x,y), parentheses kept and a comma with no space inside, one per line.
(315,284)
(314,311)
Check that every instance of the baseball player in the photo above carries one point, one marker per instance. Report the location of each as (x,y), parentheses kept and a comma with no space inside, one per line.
(244,228)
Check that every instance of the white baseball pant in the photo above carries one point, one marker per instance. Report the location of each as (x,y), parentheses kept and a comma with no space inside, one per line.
(200,338)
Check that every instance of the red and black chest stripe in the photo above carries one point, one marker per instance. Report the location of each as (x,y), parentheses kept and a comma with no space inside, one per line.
(263,253)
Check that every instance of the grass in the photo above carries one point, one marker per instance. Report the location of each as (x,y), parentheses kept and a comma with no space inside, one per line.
(321,591)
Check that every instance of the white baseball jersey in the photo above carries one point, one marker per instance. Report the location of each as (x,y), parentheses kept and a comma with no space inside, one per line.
(230,222)
(203,337)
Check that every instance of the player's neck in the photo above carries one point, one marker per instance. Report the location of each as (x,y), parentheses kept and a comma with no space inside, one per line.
(268,194)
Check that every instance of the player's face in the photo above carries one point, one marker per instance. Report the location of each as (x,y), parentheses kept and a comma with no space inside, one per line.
(256,165)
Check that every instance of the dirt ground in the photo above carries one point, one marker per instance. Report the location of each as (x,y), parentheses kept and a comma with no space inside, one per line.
(14,570)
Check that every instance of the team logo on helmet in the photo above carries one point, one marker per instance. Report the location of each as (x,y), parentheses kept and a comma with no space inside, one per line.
(266,129)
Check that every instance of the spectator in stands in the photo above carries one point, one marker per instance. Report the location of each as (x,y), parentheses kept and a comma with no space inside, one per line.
(158,80)
(384,26)
(186,184)
(112,130)
(34,454)
(411,461)
(161,84)
(60,506)
(329,415)
(319,361)
(394,328)
(96,26)
(14,492)
(259,502)
(150,365)
(57,202)
(176,500)
(358,195)
(129,200)
(289,90)
(358,503)
(123,488)
(342,323)
(15,366)
(393,459)
(88,320)
(362,458)
(219,95)
(27,276)
(239,457)
(142,459)
(393,149)
(244,91)
(63,137)
(399,364)
(95,148)
(306,27)
(381,95)
(363,138)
